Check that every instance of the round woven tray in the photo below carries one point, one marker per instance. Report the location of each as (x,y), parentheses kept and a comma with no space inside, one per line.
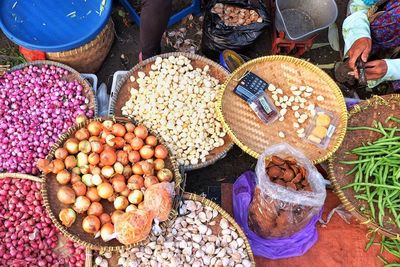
(62,241)
(363,114)
(75,232)
(252,135)
(73,75)
(123,87)
(223,214)
(89,57)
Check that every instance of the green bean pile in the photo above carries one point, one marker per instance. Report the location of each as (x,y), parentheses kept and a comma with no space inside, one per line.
(377,172)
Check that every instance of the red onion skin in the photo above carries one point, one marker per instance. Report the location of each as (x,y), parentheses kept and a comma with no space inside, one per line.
(35,109)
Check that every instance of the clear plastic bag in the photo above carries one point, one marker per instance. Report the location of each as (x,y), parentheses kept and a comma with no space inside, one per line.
(278,211)
(133,226)
(158,200)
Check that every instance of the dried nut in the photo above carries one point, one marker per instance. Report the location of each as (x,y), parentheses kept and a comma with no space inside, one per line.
(291,160)
(277,160)
(288,175)
(275,172)
(303,171)
(298,178)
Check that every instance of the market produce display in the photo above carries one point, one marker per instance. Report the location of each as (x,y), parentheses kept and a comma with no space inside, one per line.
(235,16)
(300,91)
(27,233)
(177,100)
(269,217)
(364,171)
(377,171)
(109,179)
(201,237)
(37,104)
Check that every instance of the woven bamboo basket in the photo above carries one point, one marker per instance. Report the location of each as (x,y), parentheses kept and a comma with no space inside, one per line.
(75,232)
(123,87)
(222,214)
(73,75)
(364,114)
(89,257)
(252,135)
(89,57)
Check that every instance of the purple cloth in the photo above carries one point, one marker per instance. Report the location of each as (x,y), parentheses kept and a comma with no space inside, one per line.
(278,248)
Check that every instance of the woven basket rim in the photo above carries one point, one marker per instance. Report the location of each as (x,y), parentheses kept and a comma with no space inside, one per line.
(64,230)
(81,49)
(16,175)
(207,202)
(337,188)
(139,66)
(300,62)
(76,75)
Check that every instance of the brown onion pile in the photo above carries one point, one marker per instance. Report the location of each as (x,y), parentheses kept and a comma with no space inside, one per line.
(236,16)
(28,237)
(106,161)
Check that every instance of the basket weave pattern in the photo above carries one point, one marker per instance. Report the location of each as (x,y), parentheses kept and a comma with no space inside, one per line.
(252,135)
(89,57)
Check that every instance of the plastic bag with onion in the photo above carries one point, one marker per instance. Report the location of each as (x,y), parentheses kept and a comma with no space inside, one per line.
(133,226)
(158,200)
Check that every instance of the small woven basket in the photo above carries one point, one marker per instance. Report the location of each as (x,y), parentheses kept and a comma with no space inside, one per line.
(123,87)
(364,114)
(254,136)
(73,75)
(89,256)
(75,232)
(224,214)
(89,57)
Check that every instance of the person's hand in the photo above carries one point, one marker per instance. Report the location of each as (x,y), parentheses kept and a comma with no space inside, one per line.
(376,69)
(360,47)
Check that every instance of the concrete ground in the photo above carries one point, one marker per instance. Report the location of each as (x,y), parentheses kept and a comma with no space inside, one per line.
(124,55)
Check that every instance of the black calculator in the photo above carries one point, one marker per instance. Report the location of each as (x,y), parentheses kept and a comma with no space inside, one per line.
(249,86)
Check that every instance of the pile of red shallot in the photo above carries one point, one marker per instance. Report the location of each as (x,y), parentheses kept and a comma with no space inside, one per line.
(236,16)
(36,106)
(28,237)
(108,161)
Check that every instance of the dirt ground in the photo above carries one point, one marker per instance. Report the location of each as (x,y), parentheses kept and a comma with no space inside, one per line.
(124,55)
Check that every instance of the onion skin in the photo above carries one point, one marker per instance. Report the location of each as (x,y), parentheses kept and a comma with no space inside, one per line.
(135,182)
(82,204)
(119,142)
(105,190)
(107,231)
(75,178)
(130,127)
(131,207)
(137,168)
(121,202)
(63,177)
(44,166)
(118,167)
(105,218)
(129,137)
(135,197)
(141,131)
(115,216)
(91,224)
(107,171)
(67,216)
(159,164)
(58,165)
(137,143)
(107,124)
(119,186)
(148,168)
(79,188)
(66,195)
(82,134)
(61,153)
(146,152)
(94,158)
(108,157)
(165,175)
(95,128)
(127,171)
(72,145)
(133,156)
(82,159)
(118,130)
(84,146)
(80,118)
(151,140)
(150,180)
(95,209)
(96,146)
(93,195)
(122,157)
(161,152)
(70,162)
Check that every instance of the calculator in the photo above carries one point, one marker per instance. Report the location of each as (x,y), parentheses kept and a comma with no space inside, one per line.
(249,86)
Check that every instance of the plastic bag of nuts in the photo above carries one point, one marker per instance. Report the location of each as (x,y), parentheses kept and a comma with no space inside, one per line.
(289,192)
